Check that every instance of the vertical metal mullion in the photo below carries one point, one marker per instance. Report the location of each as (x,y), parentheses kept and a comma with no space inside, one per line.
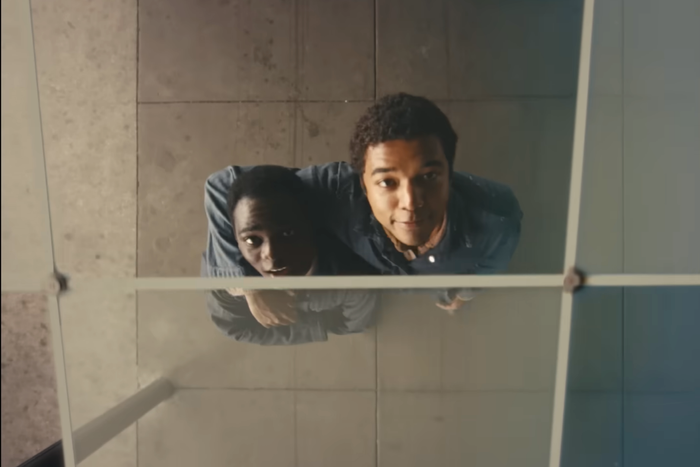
(49,261)
(572,227)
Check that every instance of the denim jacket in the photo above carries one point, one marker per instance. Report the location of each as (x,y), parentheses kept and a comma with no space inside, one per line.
(483,224)
(319,312)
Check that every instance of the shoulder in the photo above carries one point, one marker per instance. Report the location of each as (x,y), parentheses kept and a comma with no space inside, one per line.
(483,196)
(337,259)
(332,176)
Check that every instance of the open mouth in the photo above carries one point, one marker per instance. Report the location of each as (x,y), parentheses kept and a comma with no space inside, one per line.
(278,271)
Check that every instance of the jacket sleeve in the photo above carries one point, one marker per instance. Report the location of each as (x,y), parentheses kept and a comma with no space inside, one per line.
(356,313)
(232,316)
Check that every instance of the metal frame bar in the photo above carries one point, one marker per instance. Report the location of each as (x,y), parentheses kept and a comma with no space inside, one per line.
(90,437)
(572,227)
(96,433)
(48,263)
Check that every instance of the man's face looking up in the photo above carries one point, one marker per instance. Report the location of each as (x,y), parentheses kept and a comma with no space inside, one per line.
(408,186)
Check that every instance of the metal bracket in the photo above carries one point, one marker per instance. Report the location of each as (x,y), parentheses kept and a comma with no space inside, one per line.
(573,280)
(56,284)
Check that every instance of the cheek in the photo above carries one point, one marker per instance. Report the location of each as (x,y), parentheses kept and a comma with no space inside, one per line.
(252,256)
(381,201)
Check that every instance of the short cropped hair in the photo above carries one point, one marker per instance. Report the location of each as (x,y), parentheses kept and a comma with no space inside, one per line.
(401,116)
(265,181)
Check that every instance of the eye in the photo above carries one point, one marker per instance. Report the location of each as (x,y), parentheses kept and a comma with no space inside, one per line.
(387,183)
(253,241)
(430,176)
(288,233)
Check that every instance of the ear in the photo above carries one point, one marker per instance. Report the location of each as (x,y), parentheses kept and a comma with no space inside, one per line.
(362,184)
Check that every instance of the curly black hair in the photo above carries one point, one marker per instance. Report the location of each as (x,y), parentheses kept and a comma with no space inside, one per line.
(265,181)
(401,116)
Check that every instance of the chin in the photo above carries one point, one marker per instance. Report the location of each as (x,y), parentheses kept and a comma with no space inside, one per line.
(411,241)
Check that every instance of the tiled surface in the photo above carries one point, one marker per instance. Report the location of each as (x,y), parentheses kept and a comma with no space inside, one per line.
(534,160)
(177,339)
(216,50)
(507,48)
(592,429)
(661,160)
(23,223)
(99,338)
(661,339)
(322,441)
(179,146)
(335,49)
(606,50)
(662,429)
(454,429)
(86,61)
(600,248)
(276,50)
(220,428)
(324,131)
(30,416)
(506,340)
(661,49)
(596,346)
(412,48)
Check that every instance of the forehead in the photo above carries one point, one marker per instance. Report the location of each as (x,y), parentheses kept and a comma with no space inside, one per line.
(267,213)
(401,154)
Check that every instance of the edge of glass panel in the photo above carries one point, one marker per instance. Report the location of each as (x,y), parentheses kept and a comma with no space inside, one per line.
(572,225)
(48,264)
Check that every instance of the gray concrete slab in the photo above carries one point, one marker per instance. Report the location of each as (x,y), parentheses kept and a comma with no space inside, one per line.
(507,48)
(30,418)
(179,146)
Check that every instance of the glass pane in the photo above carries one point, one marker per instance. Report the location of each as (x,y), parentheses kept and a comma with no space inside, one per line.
(421,386)
(137,122)
(25,262)
(634,387)
(641,161)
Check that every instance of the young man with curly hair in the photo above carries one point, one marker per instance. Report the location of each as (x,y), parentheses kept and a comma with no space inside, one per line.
(398,204)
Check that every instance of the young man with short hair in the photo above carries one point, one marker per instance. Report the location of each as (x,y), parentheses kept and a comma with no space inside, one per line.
(399,204)
(268,209)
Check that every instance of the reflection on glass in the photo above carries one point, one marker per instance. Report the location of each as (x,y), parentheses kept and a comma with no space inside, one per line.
(287,318)
(634,386)
(409,377)
(398,207)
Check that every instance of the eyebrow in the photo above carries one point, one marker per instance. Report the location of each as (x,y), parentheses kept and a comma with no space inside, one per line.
(381,170)
(251,228)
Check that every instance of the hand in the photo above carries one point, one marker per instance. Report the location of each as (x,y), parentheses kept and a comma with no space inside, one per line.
(456,304)
(272,307)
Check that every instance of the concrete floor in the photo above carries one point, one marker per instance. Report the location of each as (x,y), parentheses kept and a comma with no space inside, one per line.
(142,100)
(30,419)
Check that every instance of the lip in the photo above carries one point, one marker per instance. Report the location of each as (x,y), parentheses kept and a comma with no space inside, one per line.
(409,225)
(279,272)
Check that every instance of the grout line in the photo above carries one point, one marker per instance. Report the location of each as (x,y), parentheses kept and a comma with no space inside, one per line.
(503,98)
(136,229)
(376,45)
(446,25)
(622,383)
(376,394)
(622,188)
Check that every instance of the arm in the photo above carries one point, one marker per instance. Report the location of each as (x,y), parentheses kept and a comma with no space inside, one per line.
(232,316)
(357,312)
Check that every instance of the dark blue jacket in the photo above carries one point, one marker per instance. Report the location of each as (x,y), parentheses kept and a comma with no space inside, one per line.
(483,224)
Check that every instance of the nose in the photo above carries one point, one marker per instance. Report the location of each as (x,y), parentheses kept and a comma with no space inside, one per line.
(269,255)
(410,197)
